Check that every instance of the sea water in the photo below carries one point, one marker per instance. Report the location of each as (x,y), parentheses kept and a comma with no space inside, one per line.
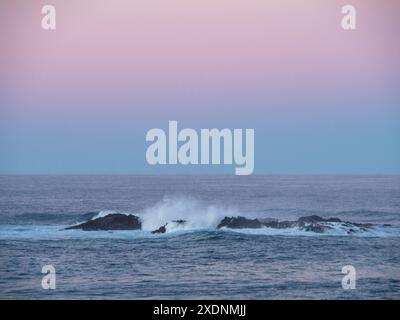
(197,260)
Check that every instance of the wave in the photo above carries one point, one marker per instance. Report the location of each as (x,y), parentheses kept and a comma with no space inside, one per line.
(198,217)
(196,214)
(57,232)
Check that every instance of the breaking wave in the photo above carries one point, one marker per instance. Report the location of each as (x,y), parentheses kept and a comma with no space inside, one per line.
(198,217)
(195,213)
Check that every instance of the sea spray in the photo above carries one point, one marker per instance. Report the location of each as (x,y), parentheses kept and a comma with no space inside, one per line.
(196,214)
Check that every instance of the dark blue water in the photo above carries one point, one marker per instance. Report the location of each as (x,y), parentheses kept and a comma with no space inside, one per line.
(198,261)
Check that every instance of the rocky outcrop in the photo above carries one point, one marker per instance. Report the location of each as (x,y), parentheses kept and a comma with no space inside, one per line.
(113,221)
(311,223)
(239,223)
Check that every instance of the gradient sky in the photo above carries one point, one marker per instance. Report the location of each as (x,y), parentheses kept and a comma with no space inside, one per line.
(81,99)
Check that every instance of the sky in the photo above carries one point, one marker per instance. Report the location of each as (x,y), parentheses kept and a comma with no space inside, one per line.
(80,99)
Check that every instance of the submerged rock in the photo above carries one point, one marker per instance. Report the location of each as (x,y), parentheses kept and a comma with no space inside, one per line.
(163,228)
(114,221)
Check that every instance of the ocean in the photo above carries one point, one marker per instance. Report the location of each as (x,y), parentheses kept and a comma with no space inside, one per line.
(198,261)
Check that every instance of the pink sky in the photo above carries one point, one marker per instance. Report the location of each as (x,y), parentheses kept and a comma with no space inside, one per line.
(142,57)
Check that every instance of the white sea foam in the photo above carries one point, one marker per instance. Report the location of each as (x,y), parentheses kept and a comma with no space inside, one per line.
(378,231)
(104,213)
(194,212)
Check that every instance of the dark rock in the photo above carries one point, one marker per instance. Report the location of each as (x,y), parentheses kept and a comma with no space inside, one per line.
(333,220)
(161,229)
(114,221)
(280,224)
(311,223)
(267,220)
(239,223)
(310,219)
(315,218)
